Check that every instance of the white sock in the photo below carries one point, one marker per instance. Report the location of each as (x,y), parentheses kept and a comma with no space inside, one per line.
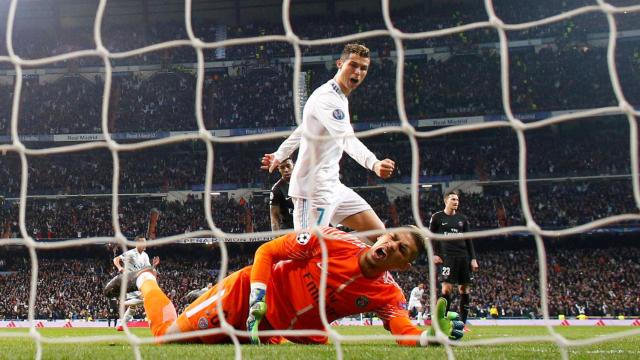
(144,277)
(127,315)
(423,339)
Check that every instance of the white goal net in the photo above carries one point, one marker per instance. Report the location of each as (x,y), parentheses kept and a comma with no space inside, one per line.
(405,127)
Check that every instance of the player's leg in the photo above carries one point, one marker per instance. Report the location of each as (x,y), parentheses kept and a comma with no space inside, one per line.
(127,315)
(120,322)
(465,300)
(133,300)
(158,307)
(355,213)
(465,289)
(364,221)
(464,277)
(445,276)
(194,294)
(419,310)
(425,311)
(301,213)
(446,292)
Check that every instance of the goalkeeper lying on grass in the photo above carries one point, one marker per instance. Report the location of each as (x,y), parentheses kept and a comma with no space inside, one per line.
(280,290)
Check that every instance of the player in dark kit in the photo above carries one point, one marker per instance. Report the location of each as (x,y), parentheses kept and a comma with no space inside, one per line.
(113,312)
(458,258)
(281,205)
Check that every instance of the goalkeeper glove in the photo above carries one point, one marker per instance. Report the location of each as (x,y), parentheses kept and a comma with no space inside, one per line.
(450,323)
(257,310)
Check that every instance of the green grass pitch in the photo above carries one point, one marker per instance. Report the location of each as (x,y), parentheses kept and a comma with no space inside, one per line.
(625,348)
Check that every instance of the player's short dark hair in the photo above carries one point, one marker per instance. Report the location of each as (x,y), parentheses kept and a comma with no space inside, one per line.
(139,237)
(451,192)
(354,48)
(419,238)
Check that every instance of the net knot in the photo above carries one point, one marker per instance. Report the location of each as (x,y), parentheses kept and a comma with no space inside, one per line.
(626,108)
(496,21)
(606,7)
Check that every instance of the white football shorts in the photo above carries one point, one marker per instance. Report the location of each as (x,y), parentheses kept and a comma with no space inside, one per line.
(322,212)
(414,304)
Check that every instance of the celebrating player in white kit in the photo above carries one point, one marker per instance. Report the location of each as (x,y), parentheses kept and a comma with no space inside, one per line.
(134,260)
(319,198)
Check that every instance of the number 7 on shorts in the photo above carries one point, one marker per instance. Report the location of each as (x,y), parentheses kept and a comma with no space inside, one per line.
(320,215)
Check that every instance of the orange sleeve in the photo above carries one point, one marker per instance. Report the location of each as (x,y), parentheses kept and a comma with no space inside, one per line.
(395,318)
(287,247)
(401,325)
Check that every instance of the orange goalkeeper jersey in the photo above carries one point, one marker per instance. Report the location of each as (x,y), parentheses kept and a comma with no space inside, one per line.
(290,266)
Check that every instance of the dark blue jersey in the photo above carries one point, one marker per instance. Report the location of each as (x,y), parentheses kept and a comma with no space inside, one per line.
(279,197)
(453,225)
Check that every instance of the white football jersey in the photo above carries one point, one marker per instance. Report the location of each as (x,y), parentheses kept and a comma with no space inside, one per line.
(133,260)
(416,295)
(316,174)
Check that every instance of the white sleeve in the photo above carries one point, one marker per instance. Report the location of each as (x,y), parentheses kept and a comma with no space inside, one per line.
(359,152)
(124,256)
(146,260)
(331,115)
(289,145)
(413,294)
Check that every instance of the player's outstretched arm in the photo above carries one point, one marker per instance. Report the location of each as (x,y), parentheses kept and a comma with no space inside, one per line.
(276,218)
(268,254)
(117,262)
(333,119)
(292,246)
(271,161)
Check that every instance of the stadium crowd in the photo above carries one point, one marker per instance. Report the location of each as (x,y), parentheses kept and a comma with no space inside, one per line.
(561,151)
(554,205)
(602,280)
(464,84)
(40,42)
(72,289)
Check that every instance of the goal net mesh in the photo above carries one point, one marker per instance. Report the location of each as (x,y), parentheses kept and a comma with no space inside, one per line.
(518,126)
